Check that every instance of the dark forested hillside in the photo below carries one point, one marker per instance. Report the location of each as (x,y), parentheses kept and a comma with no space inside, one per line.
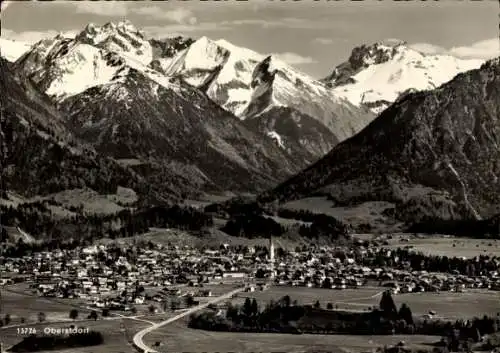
(38,153)
(437,150)
(179,130)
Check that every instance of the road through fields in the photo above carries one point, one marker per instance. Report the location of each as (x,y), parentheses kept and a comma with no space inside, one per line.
(138,337)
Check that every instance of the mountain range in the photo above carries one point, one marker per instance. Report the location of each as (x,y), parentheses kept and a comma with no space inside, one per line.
(40,155)
(157,125)
(179,116)
(432,154)
(376,75)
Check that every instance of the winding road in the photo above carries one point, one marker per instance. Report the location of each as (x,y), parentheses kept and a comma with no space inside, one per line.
(138,337)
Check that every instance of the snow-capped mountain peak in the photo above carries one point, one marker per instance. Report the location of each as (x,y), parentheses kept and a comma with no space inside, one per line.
(122,37)
(250,84)
(96,34)
(377,75)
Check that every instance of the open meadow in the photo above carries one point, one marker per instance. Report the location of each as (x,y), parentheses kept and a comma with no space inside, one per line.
(446,245)
(304,295)
(214,238)
(178,338)
(19,302)
(448,305)
(117,334)
(365,213)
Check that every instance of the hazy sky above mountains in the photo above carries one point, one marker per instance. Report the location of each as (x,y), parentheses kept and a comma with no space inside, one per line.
(314,36)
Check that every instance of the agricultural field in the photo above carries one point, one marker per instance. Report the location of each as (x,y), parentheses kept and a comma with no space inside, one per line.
(365,213)
(117,334)
(18,302)
(305,295)
(178,338)
(447,305)
(446,245)
(215,238)
(217,289)
(88,200)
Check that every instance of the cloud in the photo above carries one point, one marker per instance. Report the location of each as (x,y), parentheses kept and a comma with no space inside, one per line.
(288,22)
(179,15)
(484,49)
(182,29)
(427,48)
(101,8)
(294,58)
(324,41)
(31,37)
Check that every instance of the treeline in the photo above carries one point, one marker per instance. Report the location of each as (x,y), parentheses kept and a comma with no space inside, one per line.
(301,215)
(489,228)
(275,317)
(36,219)
(40,166)
(284,316)
(35,343)
(186,218)
(326,227)
(238,206)
(321,225)
(254,224)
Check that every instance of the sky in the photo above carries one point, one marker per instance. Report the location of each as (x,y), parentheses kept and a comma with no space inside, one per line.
(314,36)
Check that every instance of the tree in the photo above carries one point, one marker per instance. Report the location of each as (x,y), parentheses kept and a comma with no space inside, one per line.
(387,304)
(93,315)
(73,314)
(406,314)
(329,306)
(260,273)
(105,312)
(41,316)
(151,309)
(173,305)
(232,312)
(317,305)
(247,307)
(6,319)
(189,300)
(255,307)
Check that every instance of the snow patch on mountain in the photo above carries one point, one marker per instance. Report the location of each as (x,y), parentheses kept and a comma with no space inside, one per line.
(84,66)
(277,137)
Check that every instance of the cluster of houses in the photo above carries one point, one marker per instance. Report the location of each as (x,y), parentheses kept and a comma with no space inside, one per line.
(116,277)
(342,268)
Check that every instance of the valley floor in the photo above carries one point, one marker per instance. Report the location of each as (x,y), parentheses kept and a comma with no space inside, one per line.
(178,338)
